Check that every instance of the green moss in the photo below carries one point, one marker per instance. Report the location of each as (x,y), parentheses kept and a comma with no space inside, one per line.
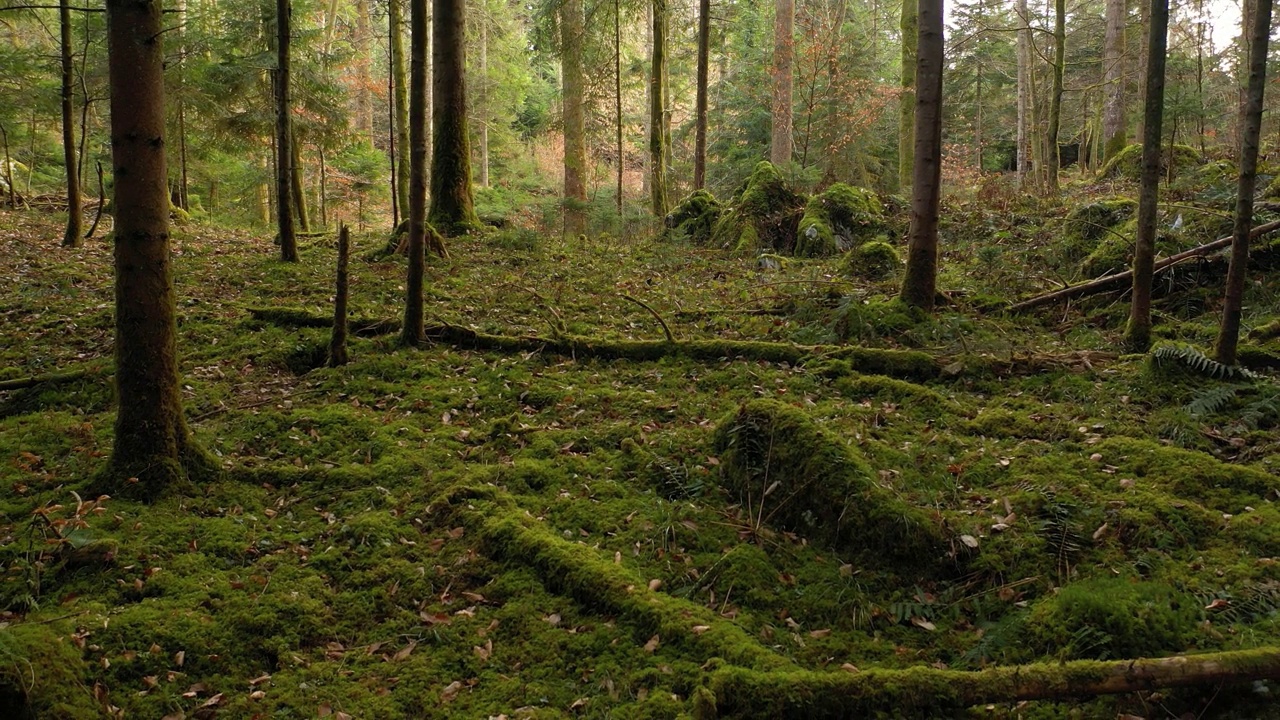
(764,216)
(840,218)
(785,469)
(43,674)
(1113,618)
(873,260)
(1094,222)
(693,219)
(1127,163)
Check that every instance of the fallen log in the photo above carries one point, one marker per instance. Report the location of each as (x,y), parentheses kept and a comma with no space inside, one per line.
(896,363)
(742,693)
(34,380)
(1119,280)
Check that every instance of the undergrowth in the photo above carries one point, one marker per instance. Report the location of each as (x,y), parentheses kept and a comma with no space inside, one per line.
(453,532)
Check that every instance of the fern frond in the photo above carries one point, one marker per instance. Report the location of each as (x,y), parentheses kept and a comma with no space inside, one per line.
(1211,400)
(1190,358)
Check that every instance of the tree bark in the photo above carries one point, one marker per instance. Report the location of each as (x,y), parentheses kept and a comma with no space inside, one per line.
(299,190)
(411,332)
(700,104)
(364,83)
(617,98)
(284,137)
(1137,334)
(483,104)
(1113,125)
(909,25)
(783,53)
(657,103)
(1251,129)
(400,99)
(452,207)
(71,237)
(575,133)
(1055,97)
(152,452)
(920,283)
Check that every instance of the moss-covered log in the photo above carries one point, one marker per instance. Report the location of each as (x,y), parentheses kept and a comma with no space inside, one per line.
(920,691)
(47,379)
(897,363)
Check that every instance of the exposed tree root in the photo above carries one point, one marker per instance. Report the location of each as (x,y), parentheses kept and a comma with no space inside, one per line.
(741,693)
(1119,280)
(584,574)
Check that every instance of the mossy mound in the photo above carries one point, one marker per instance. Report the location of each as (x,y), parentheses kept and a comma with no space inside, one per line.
(1106,618)
(1127,164)
(694,218)
(796,476)
(1089,224)
(42,675)
(840,218)
(873,260)
(765,215)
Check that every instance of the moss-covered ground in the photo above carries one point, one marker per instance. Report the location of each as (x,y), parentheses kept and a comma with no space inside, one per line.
(530,532)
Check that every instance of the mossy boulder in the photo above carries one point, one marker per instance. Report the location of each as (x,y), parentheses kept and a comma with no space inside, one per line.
(840,218)
(765,214)
(873,260)
(1108,618)
(1089,224)
(784,468)
(694,218)
(1127,164)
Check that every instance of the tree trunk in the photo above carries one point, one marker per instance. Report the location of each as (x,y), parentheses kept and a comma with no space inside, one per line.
(1144,23)
(299,191)
(657,103)
(183,199)
(8,168)
(411,332)
(1137,334)
(1113,125)
(452,207)
(575,132)
(364,83)
(1055,96)
(700,109)
(920,283)
(1023,133)
(617,96)
(338,340)
(483,105)
(152,452)
(284,137)
(1251,124)
(907,99)
(783,51)
(400,121)
(71,237)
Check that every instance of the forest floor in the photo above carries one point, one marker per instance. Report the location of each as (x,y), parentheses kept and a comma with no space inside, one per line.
(557,527)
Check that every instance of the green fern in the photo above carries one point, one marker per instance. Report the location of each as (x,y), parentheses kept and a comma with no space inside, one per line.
(1211,400)
(1061,532)
(1187,357)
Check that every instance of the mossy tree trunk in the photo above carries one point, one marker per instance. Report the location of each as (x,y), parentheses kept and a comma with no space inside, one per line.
(295,183)
(700,105)
(411,332)
(907,99)
(1137,334)
(1055,96)
(783,52)
(400,100)
(1251,124)
(284,137)
(152,451)
(71,237)
(1113,124)
(575,127)
(920,282)
(452,207)
(657,102)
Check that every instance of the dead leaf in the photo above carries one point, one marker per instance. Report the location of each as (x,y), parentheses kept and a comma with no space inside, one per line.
(405,651)
(820,633)
(652,645)
(850,668)
(654,584)
(579,703)
(699,629)
(553,619)
(179,657)
(483,651)
(450,691)
(1218,604)
(435,618)
(969,541)
(922,623)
